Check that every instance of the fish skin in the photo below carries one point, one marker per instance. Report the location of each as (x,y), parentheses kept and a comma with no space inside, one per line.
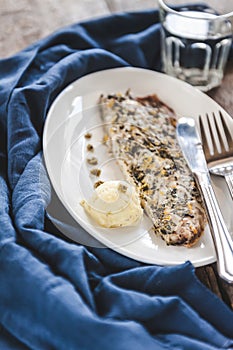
(142,137)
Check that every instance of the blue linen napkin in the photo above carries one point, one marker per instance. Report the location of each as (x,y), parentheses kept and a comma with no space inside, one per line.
(55,294)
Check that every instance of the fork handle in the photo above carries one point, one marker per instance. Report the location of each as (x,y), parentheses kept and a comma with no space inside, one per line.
(221,236)
(229,181)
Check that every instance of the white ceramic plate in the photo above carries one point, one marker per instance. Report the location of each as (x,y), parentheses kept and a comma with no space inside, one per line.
(75,112)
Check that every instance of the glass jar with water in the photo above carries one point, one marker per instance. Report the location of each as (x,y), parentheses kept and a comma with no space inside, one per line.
(195,44)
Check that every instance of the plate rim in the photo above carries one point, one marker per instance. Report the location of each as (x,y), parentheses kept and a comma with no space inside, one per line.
(49,115)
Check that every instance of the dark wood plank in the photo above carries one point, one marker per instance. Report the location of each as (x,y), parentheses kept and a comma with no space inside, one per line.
(24,21)
(207,276)
(223,94)
(223,6)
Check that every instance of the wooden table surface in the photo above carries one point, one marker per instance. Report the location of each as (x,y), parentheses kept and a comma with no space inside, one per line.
(24,21)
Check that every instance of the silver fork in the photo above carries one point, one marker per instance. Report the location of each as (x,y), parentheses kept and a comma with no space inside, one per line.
(220,161)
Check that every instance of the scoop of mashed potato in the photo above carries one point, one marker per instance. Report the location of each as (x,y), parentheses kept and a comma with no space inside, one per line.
(114,204)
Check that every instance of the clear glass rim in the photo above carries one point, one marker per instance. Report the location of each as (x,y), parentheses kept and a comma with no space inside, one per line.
(226,16)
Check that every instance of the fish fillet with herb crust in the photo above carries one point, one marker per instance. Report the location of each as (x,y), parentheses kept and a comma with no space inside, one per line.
(142,137)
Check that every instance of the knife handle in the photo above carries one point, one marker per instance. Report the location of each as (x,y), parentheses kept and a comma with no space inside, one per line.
(221,236)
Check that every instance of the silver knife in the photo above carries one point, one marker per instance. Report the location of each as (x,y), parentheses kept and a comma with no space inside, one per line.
(191,147)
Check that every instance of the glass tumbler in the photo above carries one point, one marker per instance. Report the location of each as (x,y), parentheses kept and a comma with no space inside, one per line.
(195,44)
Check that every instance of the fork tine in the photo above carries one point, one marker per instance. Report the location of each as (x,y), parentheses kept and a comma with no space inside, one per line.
(204,139)
(226,130)
(219,133)
(215,149)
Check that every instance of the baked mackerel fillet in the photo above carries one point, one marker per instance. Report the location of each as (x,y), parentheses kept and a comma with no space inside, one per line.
(141,135)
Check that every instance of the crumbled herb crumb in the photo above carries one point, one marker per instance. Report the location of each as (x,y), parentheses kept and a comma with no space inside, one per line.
(92,161)
(105,139)
(90,148)
(95,172)
(88,135)
(122,188)
(98,183)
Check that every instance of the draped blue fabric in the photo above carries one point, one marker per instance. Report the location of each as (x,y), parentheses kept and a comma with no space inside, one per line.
(54,293)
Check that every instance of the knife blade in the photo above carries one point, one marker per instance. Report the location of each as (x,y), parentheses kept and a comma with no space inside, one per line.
(191,146)
(192,150)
